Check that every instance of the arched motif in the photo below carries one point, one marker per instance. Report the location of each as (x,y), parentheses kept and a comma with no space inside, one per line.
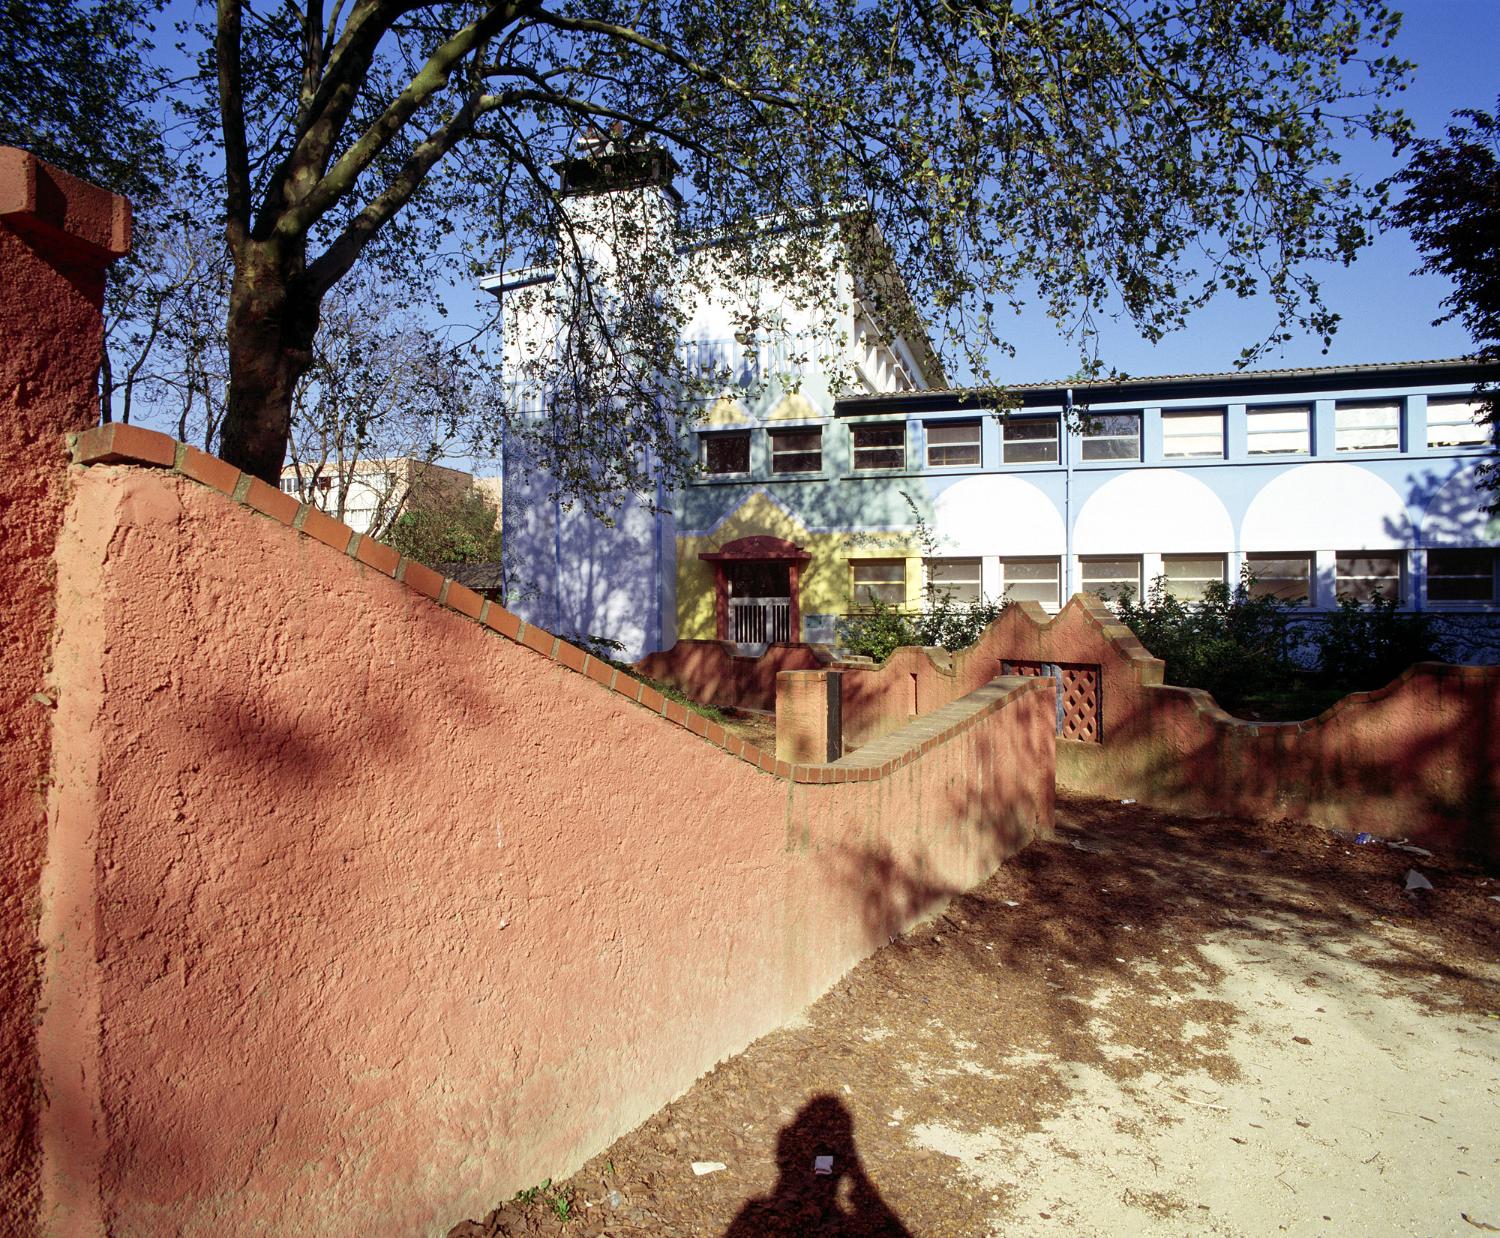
(1454,516)
(997,514)
(1332,506)
(1153,510)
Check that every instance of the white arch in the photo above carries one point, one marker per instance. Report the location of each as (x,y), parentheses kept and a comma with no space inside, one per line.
(1455,515)
(1153,510)
(1330,506)
(997,514)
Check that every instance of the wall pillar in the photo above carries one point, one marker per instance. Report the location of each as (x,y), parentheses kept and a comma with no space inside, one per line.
(794,615)
(57,236)
(721,603)
(809,716)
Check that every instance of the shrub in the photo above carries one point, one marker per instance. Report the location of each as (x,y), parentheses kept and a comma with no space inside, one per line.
(880,629)
(1232,644)
(1364,646)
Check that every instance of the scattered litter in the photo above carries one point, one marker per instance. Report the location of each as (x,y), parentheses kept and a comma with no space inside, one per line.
(615,1200)
(1415,880)
(708,1167)
(1011,903)
(1302,1040)
(1495,898)
(1484,1225)
(1411,848)
(1118,959)
(1127,801)
(1362,839)
(1078,846)
(823,1165)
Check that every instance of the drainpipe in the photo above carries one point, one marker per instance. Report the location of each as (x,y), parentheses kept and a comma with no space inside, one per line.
(1065,443)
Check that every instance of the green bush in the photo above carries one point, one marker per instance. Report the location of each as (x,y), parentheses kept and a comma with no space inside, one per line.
(1232,644)
(880,628)
(1365,646)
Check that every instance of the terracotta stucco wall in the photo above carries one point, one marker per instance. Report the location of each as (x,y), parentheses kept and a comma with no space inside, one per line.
(1419,758)
(710,672)
(57,234)
(392,915)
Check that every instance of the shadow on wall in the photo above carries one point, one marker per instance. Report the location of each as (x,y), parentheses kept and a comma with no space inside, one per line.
(821,1185)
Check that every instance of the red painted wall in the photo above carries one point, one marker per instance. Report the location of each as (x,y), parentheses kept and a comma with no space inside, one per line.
(57,235)
(710,672)
(374,914)
(1419,759)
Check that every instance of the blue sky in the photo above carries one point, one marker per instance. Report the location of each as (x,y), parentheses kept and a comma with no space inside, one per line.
(1387,312)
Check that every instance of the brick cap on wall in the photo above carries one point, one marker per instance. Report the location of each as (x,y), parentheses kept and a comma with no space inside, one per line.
(45,199)
(132,445)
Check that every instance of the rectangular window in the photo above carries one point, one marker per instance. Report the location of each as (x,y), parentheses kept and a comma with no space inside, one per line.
(1192,436)
(289,485)
(725,453)
(1361,576)
(1460,575)
(1032,580)
(1188,576)
(879,446)
(956,580)
(1284,576)
(1110,578)
(1367,427)
(952,444)
(796,451)
(1278,431)
(878,580)
(1029,440)
(1454,423)
(1112,436)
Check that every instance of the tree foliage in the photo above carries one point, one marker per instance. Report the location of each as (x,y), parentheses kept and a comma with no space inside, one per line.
(1154,153)
(447,527)
(1452,208)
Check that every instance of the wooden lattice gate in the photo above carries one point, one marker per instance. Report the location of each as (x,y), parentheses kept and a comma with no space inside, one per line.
(1079,712)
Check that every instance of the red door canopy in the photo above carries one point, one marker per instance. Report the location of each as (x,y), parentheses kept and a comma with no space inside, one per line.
(773,549)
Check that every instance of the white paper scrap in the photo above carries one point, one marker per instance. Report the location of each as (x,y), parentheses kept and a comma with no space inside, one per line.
(708,1167)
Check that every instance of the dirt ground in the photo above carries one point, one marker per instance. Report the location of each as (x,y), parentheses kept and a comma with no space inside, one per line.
(1152,1025)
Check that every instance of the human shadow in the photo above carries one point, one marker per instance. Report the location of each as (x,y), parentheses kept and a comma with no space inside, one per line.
(830,1205)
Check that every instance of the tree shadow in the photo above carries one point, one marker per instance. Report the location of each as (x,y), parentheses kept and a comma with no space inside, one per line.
(842,1201)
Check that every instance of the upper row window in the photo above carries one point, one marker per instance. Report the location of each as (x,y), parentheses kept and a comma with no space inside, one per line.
(881,446)
(1029,440)
(1112,436)
(725,452)
(1285,431)
(1192,435)
(1367,426)
(796,451)
(1455,423)
(953,444)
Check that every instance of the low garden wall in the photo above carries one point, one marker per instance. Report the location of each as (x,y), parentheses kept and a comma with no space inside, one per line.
(372,903)
(711,673)
(1420,758)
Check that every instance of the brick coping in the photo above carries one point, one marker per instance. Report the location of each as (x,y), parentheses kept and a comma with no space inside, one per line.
(118,443)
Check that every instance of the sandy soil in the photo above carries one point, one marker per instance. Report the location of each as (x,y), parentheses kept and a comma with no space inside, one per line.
(1153,1025)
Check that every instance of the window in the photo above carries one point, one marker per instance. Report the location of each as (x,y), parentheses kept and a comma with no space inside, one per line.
(1452,423)
(1112,436)
(952,444)
(725,452)
(1188,576)
(1030,440)
(1460,575)
(289,484)
(956,580)
(879,580)
(1032,580)
(1367,427)
(1360,576)
(1278,431)
(796,451)
(1284,576)
(880,446)
(1110,578)
(1195,435)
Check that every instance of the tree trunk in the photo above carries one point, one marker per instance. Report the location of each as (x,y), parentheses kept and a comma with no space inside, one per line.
(273,317)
